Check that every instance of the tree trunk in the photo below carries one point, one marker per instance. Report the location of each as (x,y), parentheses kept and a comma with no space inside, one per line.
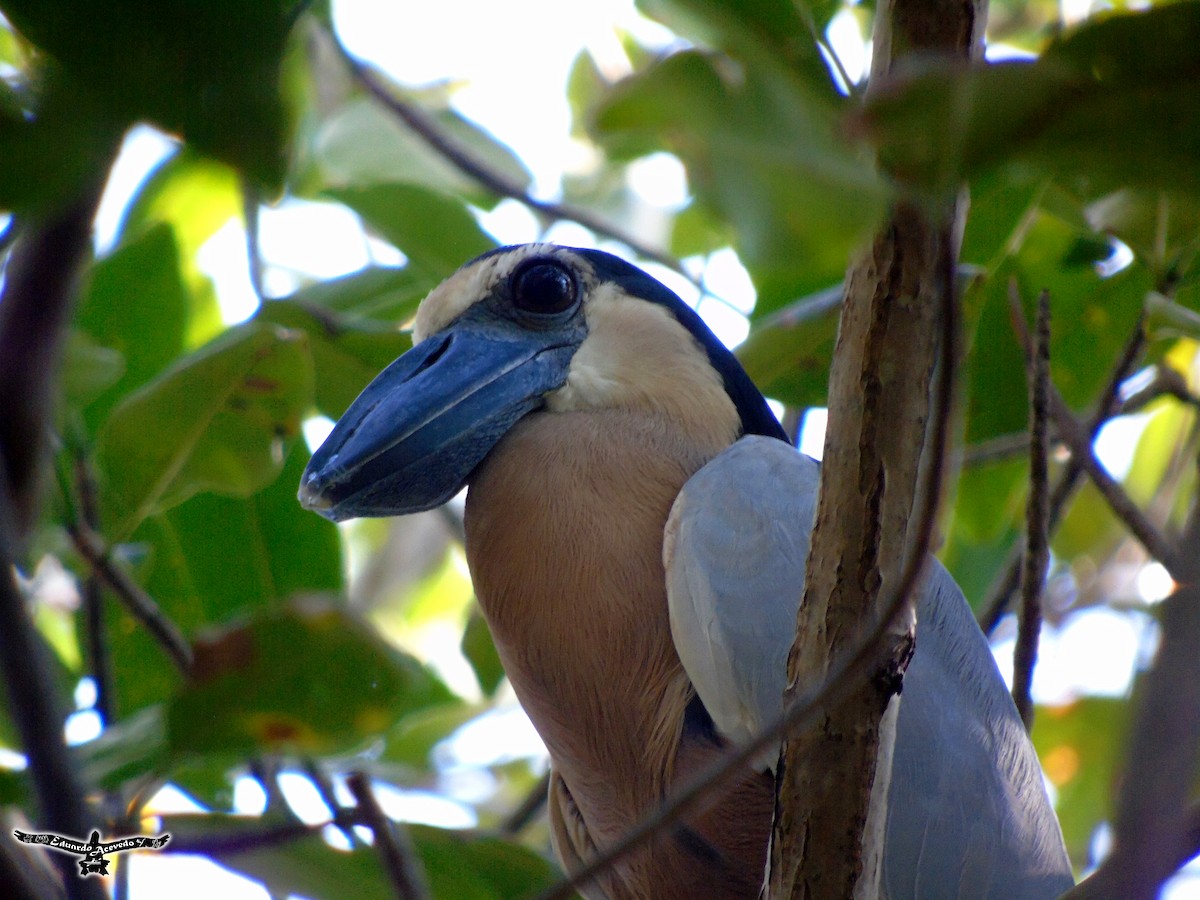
(833,779)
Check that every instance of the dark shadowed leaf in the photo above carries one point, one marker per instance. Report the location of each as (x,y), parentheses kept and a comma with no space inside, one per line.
(346,352)
(208,71)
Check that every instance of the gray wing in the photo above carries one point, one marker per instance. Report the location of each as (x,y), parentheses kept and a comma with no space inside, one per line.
(968,813)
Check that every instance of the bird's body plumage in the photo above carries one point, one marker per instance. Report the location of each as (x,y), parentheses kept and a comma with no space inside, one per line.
(599,424)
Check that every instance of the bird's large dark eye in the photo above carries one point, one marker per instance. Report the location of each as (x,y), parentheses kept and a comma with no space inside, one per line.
(545,287)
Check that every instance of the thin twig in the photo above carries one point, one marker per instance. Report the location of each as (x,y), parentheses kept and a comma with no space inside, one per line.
(865,653)
(324,785)
(1079,442)
(98,655)
(528,809)
(395,850)
(424,126)
(139,604)
(248,840)
(1037,512)
(997,600)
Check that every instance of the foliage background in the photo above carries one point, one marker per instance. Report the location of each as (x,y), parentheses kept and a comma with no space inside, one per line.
(179,437)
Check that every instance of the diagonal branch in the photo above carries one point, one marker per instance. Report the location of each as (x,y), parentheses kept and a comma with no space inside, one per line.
(1037,513)
(139,604)
(396,851)
(425,127)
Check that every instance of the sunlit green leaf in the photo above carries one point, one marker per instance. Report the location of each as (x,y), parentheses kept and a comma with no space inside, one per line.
(365,144)
(308,678)
(435,231)
(216,421)
(1079,746)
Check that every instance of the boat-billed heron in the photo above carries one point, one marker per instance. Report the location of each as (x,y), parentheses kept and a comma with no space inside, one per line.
(637,527)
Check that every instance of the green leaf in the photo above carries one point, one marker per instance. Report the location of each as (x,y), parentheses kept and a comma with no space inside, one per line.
(347,353)
(788,353)
(1107,106)
(1079,747)
(276,548)
(135,304)
(208,71)
(127,752)
(468,867)
(436,232)
(215,421)
(379,293)
(308,678)
(779,33)
(1092,317)
(761,152)
(480,651)
(364,144)
(305,866)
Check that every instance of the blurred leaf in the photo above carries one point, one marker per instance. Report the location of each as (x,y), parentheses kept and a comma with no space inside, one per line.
(468,867)
(197,197)
(209,71)
(762,153)
(457,865)
(436,232)
(135,304)
(365,144)
(307,866)
(768,32)
(1108,105)
(1079,747)
(410,743)
(1162,229)
(307,678)
(275,548)
(125,752)
(347,353)
(88,369)
(480,651)
(379,293)
(788,353)
(215,421)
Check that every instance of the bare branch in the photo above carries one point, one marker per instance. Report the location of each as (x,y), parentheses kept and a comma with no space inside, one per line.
(996,602)
(399,858)
(425,127)
(1037,513)
(139,604)
(528,809)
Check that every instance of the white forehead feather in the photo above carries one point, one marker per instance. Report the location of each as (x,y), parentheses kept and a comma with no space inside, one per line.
(476,280)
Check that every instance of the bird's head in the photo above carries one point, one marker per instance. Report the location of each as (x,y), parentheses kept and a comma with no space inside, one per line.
(522,329)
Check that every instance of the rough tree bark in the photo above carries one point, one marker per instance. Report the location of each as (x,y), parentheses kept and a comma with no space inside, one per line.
(828,833)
